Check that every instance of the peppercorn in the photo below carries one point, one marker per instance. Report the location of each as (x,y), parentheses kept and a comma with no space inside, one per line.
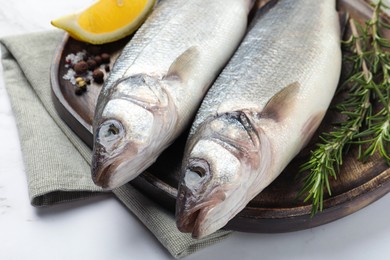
(107,68)
(82,83)
(98,60)
(79,91)
(80,67)
(105,57)
(88,81)
(79,79)
(91,64)
(98,76)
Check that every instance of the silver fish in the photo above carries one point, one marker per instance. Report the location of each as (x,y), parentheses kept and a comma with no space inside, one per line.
(159,81)
(262,109)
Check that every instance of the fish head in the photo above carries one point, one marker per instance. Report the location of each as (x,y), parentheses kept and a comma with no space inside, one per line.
(208,190)
(132,117)
(118,140)
(216,175)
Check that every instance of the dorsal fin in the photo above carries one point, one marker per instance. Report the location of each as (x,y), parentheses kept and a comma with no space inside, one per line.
(183,65)
(278,106)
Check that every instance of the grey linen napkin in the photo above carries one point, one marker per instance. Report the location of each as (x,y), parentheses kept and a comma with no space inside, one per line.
(57,162)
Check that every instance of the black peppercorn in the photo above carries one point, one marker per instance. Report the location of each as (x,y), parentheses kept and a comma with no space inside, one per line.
(91,64)
(107,68)
(79,91)
(98,60)
(98,76)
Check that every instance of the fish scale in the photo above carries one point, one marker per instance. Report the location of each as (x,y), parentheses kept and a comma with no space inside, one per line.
(262,109)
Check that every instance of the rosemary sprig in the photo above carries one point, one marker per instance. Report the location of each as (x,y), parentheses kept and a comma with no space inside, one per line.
(366,109)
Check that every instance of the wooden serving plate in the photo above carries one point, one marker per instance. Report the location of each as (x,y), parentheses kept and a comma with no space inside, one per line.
(276,209)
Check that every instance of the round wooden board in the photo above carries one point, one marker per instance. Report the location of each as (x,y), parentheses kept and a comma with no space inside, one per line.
(276,209)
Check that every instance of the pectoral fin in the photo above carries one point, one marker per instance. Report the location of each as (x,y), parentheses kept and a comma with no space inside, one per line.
(311,126)
(182,68)
(278,106)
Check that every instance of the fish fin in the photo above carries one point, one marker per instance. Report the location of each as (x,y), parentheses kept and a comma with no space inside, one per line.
(311,126)
(278,106)
(183,65)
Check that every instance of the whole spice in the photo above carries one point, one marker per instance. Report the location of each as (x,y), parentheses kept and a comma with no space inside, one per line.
(79,91)
(80,67)
(98,60)
(79,79)
(82,84)
(91,64)
(79,64)
(98,76)
(105,57)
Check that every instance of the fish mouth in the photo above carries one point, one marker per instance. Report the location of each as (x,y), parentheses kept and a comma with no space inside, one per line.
(102,178)
(111,171)
(102,173)
(103,167)
(109,174)
(193,219)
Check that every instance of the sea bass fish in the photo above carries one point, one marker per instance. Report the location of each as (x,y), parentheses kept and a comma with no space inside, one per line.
(159,81)
(262,109)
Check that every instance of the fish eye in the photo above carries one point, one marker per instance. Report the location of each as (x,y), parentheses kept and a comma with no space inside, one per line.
(110,130)
(201,172)
(197,169)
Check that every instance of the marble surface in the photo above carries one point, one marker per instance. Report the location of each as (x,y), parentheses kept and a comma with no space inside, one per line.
(101,228)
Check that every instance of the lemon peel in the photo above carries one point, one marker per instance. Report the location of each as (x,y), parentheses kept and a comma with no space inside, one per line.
(106,20)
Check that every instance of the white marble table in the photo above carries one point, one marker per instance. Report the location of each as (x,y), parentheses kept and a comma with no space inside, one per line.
(101,228)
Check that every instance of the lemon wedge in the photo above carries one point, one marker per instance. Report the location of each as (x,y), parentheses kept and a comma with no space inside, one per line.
(106,20)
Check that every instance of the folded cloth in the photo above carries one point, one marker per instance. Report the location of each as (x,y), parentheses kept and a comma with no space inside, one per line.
(57,162)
